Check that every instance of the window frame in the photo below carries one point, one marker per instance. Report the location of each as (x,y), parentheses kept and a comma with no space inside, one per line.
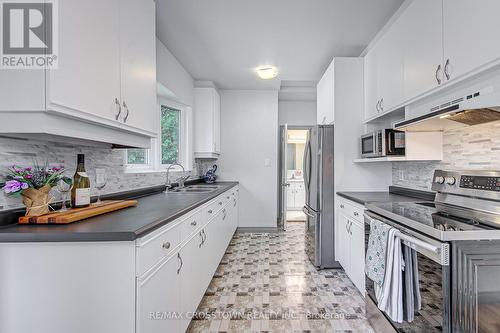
(153,154)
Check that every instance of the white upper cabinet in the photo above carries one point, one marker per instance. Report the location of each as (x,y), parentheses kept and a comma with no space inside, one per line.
(87,80)
(206,122)
(423,47)
(471,35)
(431,43)
(104,88)
(138,64)
(372,98)
(325,97)
(384,73)
(390,68)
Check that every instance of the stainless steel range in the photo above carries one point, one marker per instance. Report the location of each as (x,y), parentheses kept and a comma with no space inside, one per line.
(457,238)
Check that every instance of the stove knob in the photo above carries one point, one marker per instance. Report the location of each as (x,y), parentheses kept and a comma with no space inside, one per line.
(450,180)
(439,180)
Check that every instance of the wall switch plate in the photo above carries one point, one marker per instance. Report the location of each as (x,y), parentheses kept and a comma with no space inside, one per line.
(267,162)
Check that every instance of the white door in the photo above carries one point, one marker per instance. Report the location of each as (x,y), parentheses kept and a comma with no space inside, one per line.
(158,294)
(422,24)
(216,116)
(372,97)
(343,241)
(285,185)
(138,64)
(357,255)
(390,68)
(87,82)
(189,275)
(471,34)
(325,97)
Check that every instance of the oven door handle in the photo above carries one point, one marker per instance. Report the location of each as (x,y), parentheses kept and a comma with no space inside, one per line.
(440,251)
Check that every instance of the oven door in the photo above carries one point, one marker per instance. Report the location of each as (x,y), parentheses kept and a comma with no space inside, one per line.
(369,145)
(434,281)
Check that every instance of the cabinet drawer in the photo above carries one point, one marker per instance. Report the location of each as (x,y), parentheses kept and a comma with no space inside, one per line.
(351,210)
(156,246)
(213,207)
(191,225)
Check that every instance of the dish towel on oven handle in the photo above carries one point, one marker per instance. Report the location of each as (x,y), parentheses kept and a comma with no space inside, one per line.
(411,294)
(390,294)
(377,251)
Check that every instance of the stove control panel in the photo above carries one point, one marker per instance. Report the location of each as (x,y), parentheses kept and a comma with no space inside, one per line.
(480,183)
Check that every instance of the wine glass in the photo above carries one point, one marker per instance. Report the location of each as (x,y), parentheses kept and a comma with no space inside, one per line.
(64,186)
(100,182)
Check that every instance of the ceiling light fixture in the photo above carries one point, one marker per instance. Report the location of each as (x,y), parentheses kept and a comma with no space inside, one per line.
(267,72)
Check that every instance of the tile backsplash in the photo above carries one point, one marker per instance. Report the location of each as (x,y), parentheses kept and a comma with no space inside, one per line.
(474,147)
(24,152)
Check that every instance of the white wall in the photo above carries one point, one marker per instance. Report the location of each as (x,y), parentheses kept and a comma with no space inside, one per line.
(249,136)
(174,81)
(297,112)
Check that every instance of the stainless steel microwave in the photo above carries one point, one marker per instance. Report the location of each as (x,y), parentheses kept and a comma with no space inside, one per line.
(385,142)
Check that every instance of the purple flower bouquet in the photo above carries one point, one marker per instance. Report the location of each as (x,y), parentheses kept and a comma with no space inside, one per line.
(34,185)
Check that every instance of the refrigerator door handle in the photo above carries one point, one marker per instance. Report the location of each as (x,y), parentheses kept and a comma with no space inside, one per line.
(306,211)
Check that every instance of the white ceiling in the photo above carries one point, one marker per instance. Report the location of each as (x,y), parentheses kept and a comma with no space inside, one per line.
(224,40)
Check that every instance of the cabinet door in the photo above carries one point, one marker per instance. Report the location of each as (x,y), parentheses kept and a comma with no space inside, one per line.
(343,242)
(357,256)
(390,67)
(423,47)
(87,81)
(325,97)
(372,97)
(190,282)
(300,196)
(216,116)
(290,196)
(138,64)
(158,296)
(470,34)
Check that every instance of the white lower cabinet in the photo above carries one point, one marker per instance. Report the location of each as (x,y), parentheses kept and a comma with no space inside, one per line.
(168,294)
(350,240)
(158,298)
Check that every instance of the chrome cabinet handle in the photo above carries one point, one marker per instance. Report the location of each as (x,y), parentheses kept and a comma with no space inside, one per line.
(194,223)
(234,202)
(224,217)
(356,214)
(117,116)
(446,67)
(181,263)
(341,206)
(377,106)
(166,245)
(438,74)
(204,236)
(220,203)
(210,211)
(381,105)
(126,114)
(202,240)
(228,197)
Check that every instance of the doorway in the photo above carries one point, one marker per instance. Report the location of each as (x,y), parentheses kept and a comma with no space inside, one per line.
(292,192)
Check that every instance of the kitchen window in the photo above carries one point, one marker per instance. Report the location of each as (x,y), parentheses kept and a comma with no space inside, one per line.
(170,146)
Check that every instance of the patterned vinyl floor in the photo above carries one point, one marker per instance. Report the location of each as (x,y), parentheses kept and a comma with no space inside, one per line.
(265,283)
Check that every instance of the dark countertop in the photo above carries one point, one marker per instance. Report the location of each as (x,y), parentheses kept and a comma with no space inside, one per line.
(152,211)
(395,194)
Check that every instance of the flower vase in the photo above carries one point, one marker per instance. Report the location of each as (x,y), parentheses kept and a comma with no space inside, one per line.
(37,201)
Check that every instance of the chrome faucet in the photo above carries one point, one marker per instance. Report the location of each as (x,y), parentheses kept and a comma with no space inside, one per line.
(179,180)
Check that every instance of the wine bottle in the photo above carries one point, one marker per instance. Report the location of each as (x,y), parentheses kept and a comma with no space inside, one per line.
(80,193)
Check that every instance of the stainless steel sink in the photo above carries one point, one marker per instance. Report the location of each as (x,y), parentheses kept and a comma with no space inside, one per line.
(196,189)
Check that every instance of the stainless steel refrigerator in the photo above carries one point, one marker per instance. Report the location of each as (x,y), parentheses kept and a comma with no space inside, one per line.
(319,207)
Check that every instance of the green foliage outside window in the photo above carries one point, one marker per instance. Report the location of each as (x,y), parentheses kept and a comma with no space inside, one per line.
(170,130)
(136,156)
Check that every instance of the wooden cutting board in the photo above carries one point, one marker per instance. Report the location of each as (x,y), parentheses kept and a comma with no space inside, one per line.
(77,214)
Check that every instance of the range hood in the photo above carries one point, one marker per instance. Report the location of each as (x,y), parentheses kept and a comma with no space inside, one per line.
(472,109)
